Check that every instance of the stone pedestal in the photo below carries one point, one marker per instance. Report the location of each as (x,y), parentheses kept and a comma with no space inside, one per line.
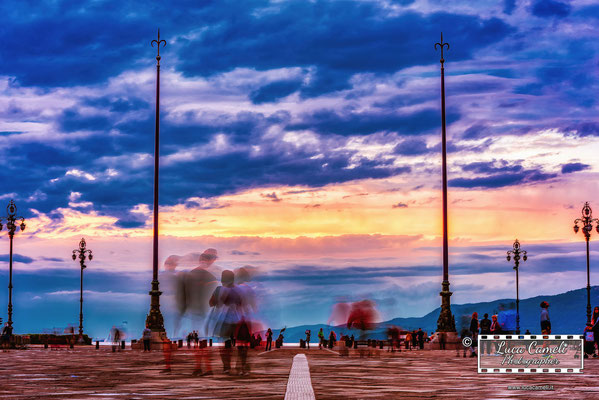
(452,341)
(156,343)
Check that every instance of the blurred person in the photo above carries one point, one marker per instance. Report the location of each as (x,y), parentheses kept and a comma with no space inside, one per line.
(320,339)
(279,342)
(115,336)
(420,335)
(442,340)
(339,313)
(495,330)
(595,329)
(393,338)
(363,316)
(589,340)
(243,337)
(258,340)
(166,352)
(6,334)
(495,326)
(332,339)
(474,332)
(146,337)
(192,289)
(414,339)
(225,314)
(485,329)
(308,333)
(203,362)
(545,322)
(268,340)
(463,335)
(408,341)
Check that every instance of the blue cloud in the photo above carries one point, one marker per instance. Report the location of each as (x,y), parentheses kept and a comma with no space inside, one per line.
(285,37)
(274,91)
(550,8)
(509,6)
(501,180)
(331,122)
(16,258)
(574,167)
(491,167)
(411,147)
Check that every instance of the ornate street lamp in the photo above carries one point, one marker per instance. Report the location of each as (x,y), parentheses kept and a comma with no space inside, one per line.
(81,253)
(11,226)
(587,221)
(516,252)
(446,321)
(154,320)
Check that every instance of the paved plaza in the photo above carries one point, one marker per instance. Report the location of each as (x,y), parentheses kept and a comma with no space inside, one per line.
(86,373)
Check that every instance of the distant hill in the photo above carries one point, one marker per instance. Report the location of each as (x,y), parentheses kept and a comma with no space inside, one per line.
(567,312)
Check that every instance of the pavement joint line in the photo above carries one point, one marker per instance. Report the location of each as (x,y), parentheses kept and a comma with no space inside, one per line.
(332,351)
(299,385)
(269,351)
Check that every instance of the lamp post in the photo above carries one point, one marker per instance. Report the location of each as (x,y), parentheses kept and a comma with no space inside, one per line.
(81,253)
(516,252)
(11,226)
(587,221)
(154,320)
(446,321)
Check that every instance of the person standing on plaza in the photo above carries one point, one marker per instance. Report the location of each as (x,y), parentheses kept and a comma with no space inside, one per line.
(495,326)
(420,335)
(485,329)
(474,333)
(6,334)
(225,314)
(320,338)
(268,340)
(332,339)
(463,335)
(442,340)
(146,337)
(308,333)
(409,341)
(545,321)
(414,339)
(589,340)
(595,329)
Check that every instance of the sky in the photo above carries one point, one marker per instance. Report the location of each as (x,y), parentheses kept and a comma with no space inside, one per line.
(301,138)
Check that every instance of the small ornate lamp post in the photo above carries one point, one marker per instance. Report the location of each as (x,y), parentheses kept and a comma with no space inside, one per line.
(587,221)
(11,226)
(81,253)
(516,252)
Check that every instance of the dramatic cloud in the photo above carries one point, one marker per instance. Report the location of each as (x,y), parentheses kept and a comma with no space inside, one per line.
(574,167)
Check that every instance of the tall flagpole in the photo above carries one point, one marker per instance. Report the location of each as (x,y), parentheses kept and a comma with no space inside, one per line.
(154,320)
(446,322)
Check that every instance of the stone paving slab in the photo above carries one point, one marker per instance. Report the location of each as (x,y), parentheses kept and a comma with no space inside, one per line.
(86,373)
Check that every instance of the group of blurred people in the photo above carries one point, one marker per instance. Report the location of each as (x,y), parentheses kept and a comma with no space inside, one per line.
(226,310)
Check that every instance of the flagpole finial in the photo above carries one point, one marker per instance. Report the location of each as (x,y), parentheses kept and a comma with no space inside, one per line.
(442,44)
(158,43)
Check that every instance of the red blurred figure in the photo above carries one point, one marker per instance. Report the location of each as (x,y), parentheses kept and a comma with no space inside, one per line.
(166,350)
(202,355)
(339,314)
(362,315)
